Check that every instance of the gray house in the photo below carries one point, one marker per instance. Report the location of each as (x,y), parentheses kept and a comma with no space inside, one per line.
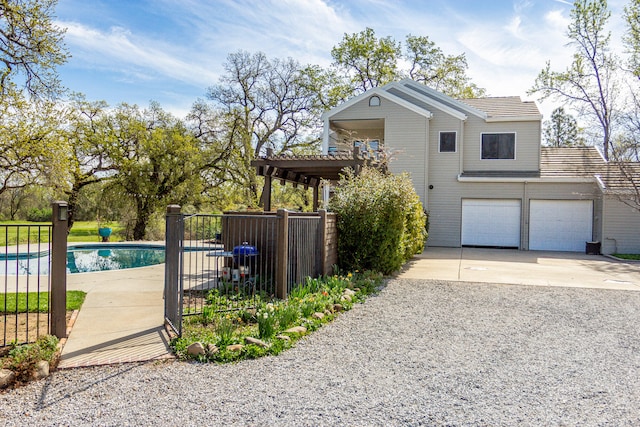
(480,170)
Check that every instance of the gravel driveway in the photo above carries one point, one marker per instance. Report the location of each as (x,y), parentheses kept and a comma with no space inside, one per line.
(420,353)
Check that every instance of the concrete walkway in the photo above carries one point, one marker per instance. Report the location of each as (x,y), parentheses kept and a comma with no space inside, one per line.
(122,317)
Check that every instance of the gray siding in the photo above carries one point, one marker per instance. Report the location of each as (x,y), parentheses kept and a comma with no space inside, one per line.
(405,137)
(621,228)
(445,203)
(527,145)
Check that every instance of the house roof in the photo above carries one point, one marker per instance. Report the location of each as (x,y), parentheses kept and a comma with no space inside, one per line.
(570,162)
(419,98)
(505,108)
(620,177)
(612,177)
(379,91)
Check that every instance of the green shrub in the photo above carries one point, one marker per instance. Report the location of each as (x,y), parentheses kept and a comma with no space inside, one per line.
(39,215)
(381,222)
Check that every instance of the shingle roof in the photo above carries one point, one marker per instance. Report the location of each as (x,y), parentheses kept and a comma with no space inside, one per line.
(507,106)
(570,162)
(587,162)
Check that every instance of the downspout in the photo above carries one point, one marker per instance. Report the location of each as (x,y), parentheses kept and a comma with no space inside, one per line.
(460,147)
(325,136)
(524,231)
(326,189)
(426,163)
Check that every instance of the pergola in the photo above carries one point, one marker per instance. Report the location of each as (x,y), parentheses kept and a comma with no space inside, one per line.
(308,170)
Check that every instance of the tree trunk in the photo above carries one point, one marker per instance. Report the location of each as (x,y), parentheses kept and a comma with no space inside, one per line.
(142,219)
(72,203)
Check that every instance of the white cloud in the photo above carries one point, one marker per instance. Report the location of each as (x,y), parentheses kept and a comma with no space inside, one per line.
(135,57)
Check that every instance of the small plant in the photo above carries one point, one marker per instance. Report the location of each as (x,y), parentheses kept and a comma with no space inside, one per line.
(288,315)
(222,325)
(22,359)
(225,329)
(266,322)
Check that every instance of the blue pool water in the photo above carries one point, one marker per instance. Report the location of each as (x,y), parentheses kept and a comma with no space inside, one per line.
(85,258)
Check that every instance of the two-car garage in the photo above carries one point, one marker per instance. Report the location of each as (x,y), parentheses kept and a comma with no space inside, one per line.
(554,225)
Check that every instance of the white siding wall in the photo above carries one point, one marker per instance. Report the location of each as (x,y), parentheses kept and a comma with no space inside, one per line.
(621,228)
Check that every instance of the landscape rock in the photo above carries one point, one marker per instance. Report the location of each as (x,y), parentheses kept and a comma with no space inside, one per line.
(7,377)
(196,349)
(41,370)
(349,292)
(283,337)
(235,347)
(346,298)
(297,330)
(256,341)
(337,307)
(317,315)
(212,349)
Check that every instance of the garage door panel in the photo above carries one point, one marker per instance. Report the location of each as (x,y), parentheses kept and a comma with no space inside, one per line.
(560,225)
(489,222)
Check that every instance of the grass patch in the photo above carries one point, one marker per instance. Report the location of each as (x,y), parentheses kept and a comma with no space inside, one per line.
(87,231)
(309,305)
(633,257)
(33,302)
(82,231)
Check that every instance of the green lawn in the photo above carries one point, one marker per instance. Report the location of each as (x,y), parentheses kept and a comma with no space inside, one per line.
(74,301)
(635,257)
(82,231)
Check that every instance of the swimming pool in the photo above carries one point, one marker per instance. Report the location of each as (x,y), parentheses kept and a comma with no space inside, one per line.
(85,258)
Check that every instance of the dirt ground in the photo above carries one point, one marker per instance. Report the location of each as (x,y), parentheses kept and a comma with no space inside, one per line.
(23,327)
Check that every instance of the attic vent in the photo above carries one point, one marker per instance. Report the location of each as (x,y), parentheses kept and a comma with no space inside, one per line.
(374,101)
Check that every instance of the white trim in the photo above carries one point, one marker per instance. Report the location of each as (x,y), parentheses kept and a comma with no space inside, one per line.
(434,95)
(381,93)
(455,147)
(562,180)
(531,118)
(427,100)
(515,145)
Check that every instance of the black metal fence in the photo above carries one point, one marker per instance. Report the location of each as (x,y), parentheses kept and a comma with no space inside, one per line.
(234,260)
(25,282)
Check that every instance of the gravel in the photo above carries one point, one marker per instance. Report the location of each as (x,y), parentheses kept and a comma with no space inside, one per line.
(420,353)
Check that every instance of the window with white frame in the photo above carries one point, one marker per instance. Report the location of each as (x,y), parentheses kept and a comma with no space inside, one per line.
(447,142)
(500,146)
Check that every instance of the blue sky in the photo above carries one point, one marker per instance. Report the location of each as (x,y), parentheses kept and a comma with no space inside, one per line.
(170,51)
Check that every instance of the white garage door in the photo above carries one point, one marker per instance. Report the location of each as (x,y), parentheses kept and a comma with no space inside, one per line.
(488,222)
(560,225)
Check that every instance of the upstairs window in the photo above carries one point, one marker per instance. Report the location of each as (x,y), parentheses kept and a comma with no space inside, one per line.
(447,142)
(499,146)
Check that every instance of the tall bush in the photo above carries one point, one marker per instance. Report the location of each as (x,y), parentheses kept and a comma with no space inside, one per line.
(381,222)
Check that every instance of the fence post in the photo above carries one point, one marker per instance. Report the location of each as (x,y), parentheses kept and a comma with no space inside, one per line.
(173,243)
(60,215)
(283,253)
